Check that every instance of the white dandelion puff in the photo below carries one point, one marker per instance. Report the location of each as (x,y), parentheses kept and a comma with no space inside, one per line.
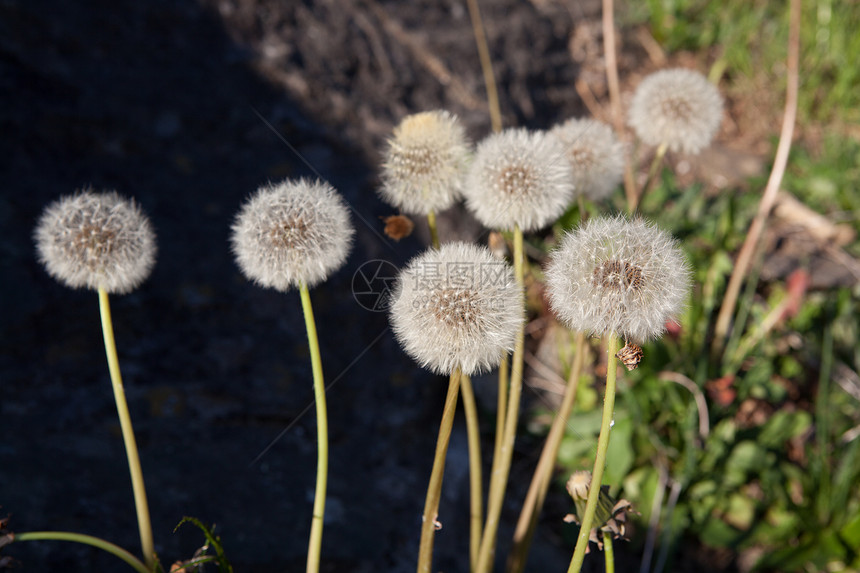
(292,233)
(519,178)
(618,275)
(97,241)
(457,307)
(425,163)
(678,107)
(595,155)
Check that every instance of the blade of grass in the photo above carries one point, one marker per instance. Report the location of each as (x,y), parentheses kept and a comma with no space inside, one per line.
(486,65)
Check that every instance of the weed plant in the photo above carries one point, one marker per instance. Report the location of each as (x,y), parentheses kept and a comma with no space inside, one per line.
(749,445)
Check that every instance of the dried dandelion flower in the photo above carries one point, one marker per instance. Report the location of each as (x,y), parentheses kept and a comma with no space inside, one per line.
(292,233)
(398,226)
(678,107)
(425,163)
(609,516)
(97,241)
(595,154)
(457,307)
(618,275)
(577,485)
(519,178)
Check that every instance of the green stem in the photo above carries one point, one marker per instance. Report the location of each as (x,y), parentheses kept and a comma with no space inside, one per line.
(486,65)
(501,407)
(600,457)
(652,173)
(608,552)
(434,232)
(142,507)
(315,542)
(434,488)
(501,411)
(476,511)
(116,550)
(502,464)
(524,532)
(744,307)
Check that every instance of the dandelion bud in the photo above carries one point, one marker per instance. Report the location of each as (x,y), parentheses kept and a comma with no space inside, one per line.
(457,307)
(292,233)
(678,107)
(577,485)
(519,178)
(595,155)
(425,163)
(617,275)
(97,241)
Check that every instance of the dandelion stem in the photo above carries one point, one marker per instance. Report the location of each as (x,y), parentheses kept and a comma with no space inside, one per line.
(652,173)
(608,25)
(502,464)
(501,406)
(111,548)
(600,457)
(434,232)
(476,511)
(315,543)
(486,65)
(143,521)
(608,552)
(542,477)
(434,488)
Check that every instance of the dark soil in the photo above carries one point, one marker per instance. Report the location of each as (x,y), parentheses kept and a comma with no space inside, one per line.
(189,107)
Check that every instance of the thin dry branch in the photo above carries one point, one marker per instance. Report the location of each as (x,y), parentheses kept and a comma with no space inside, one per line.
(770,193)
(433,64)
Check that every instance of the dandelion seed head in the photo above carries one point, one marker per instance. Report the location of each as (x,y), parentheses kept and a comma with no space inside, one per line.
(457,307)
(618,275)
(678,107)
(425,163)
(519,178)
(96,240)
(292,233)
(595,155)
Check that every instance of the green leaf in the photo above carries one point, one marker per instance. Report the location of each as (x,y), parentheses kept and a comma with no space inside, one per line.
(212,539)
(619,455)
(782,427)
(640,486)
(747,458)
(851,532)
(717,533)
(740,511)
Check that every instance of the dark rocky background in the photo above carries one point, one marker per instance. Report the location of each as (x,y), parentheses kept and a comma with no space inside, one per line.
(189,107)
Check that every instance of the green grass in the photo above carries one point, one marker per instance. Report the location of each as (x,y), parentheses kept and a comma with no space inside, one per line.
(749,37)
(777,470)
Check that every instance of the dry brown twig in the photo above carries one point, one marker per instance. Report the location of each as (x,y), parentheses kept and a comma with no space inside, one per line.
(770,193)
(432,63)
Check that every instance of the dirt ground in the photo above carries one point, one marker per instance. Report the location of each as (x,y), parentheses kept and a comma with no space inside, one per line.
(189,107)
